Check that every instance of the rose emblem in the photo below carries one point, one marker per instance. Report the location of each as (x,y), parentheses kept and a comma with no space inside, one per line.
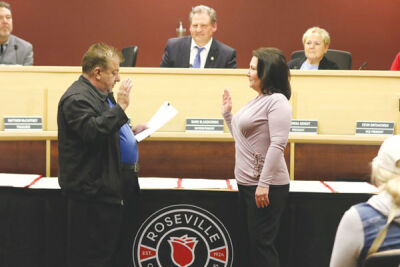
(182,250)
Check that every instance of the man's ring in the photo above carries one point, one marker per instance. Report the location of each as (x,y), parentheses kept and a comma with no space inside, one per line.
(262,199)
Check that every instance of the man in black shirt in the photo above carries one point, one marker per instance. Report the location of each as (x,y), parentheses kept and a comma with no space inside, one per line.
(92,171)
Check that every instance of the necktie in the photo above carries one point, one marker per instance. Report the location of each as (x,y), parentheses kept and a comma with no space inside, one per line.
(1,49)
(197,61)
(111,97)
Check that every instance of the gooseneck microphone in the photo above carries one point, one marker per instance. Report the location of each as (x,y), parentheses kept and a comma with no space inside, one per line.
(363,65)
(16,54)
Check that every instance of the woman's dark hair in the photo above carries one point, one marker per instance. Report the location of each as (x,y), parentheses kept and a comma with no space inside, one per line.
(273,71)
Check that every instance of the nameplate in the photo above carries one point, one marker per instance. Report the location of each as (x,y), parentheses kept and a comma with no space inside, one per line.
(204,125)
(22,123)
(304,126)
(374,128)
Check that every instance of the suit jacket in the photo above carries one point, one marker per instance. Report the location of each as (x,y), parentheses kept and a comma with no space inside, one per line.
(18,52)
(324,64)
(177,54)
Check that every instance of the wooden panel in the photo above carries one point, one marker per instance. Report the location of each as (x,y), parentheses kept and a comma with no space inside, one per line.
(339,105)
(212,160)
(195,159)
(23,157)
(333,162)
(337,99)
(187,159)
(54,159)
(30,100)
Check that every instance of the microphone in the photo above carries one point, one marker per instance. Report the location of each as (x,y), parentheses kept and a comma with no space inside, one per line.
(16,54)
(363,65)
(180,31)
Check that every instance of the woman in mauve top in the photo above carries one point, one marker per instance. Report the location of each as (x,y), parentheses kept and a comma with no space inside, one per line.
(261,130)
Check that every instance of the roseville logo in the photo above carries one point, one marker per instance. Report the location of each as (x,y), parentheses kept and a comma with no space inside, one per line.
(182,250)
(182,236)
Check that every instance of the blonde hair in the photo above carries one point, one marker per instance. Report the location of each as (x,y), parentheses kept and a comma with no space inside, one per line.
(322,32)
(387,181)
(390,182)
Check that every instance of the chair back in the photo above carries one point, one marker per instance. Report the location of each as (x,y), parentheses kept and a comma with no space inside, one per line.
(342,58)
(386,258)
(130,55)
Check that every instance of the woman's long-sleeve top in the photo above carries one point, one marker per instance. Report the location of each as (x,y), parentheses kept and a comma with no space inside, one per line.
(261,130)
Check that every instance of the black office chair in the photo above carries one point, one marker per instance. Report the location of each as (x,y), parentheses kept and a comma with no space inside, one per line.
(130,55)
(386,258)
(341,58)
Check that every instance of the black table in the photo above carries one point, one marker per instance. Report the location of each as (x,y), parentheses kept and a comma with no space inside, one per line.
(33,228)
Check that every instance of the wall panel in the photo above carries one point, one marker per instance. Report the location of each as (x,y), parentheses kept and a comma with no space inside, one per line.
(61,31)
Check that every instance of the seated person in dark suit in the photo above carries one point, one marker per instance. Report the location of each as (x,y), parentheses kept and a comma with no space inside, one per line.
(374,225)
(396,63)
(13,50)
(316,42)
(200,50)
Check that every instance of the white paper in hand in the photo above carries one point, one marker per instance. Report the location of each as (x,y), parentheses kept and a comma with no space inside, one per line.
(163,115)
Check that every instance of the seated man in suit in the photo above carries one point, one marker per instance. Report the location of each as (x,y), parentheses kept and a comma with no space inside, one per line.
(13,50)
(200,50)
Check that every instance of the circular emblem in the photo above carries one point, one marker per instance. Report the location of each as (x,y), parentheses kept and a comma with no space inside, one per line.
(182,235)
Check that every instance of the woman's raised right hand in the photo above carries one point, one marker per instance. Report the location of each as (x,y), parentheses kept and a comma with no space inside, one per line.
(226,102)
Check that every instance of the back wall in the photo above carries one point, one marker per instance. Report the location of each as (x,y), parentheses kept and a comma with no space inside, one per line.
(61,31)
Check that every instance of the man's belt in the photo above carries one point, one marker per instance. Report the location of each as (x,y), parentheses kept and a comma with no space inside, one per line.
(134,167)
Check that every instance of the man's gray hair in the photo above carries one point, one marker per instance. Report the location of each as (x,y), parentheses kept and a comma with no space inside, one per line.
(99,55)
(204,9)
(5,4)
